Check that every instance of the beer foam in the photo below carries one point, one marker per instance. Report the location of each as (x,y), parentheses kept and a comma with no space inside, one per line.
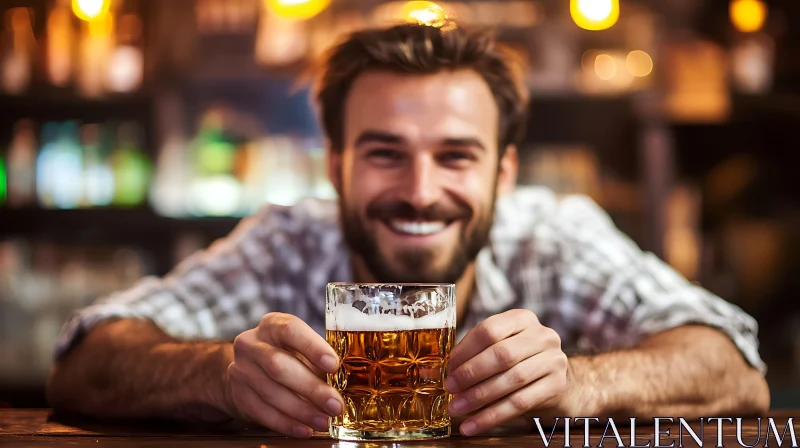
(346,318)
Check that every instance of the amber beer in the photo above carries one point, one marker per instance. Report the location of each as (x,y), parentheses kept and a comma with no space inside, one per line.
(392,374)
(392,379)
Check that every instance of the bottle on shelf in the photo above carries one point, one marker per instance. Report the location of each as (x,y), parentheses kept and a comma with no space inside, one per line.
(170,179)
(16,59)
(321,186)
(214,190)
(21,165)
(95,45)
(98,178)
(168,192)
(288,171)
(68,168)
(132,168)
(251,172)
(682,239)
(752,63)
(59,167)
(60,45)
(126,61)
(44,165)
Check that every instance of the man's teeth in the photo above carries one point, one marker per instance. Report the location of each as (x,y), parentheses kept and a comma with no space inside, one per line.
(418,227)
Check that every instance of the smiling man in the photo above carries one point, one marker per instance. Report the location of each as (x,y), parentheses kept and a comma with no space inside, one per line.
(421,125)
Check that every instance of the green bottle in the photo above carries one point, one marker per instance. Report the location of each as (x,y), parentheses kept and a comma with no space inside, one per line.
(215,154)
(3,187)
(214,190)
(132,168)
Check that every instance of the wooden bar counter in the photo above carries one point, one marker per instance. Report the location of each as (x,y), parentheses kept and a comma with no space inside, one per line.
(43,427)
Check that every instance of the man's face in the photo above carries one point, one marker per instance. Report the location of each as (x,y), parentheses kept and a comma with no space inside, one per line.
(418,174)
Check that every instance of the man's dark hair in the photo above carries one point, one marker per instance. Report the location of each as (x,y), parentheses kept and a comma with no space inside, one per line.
(422,49)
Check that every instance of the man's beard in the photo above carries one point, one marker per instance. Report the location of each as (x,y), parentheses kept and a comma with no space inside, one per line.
(414,264)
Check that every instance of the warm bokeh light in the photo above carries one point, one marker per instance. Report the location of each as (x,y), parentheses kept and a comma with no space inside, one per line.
(94,47)
(102,26)
(297,9)
(595,10)
(60,42)
(424,12)
(697,82)
(748,15)
(125,69)
(20,18)
(639,63)
(594,15)
(16,62)
(90,9)
(126,61)
(587,61)
(605,67)
(280,41)
(752,63)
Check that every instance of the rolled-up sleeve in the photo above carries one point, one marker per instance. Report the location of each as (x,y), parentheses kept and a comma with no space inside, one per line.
(618,294)
(214,294)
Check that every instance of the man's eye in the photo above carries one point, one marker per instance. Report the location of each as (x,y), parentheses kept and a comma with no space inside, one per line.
(455,156)
(385,154)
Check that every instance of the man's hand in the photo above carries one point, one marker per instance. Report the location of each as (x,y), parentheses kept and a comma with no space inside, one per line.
(506,366)
(271,381)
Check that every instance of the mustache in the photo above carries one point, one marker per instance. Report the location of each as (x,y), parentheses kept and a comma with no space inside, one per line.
(398,209)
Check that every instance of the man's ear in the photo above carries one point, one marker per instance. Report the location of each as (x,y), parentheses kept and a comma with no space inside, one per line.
(507,171)
(335,168)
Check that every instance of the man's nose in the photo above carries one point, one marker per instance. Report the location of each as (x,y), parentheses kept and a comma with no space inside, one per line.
(422,184)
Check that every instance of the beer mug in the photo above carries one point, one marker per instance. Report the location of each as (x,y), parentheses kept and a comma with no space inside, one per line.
(394,342)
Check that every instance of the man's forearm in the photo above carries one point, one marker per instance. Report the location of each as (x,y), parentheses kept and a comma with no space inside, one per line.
(130,368)
(687,372)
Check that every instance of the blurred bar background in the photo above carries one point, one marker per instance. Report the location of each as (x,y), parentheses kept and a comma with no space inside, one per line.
(135,132)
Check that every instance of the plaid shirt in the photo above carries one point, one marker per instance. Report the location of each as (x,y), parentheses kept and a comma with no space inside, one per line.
(561,258)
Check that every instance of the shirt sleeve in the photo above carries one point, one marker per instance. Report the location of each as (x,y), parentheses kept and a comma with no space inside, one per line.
(615,294)
(214,294)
